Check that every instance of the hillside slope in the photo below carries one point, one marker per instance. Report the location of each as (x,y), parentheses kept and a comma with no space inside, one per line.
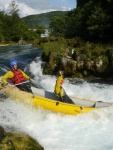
(44,19)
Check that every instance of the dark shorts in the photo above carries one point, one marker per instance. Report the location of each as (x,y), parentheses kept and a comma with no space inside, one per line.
(25,87)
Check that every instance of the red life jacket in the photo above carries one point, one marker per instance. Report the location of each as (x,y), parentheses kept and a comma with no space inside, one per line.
(18,76)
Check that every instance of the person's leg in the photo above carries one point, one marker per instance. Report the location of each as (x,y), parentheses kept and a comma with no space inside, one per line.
(28,88)
(62,94)
(25,87)
(64,97)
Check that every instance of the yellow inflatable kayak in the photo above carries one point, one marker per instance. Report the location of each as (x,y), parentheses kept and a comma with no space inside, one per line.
(49,101)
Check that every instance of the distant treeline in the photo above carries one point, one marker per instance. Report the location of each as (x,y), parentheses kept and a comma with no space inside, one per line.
(91,21)
(12,27)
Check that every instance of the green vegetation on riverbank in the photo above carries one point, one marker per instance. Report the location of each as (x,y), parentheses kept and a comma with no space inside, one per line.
(12,27)
(87,30)
(77,58)
(17,141)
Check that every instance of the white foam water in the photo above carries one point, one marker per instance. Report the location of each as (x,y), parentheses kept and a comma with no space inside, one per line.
(91,131)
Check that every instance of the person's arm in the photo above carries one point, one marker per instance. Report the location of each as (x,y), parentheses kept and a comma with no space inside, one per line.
(8,75)
(26,76)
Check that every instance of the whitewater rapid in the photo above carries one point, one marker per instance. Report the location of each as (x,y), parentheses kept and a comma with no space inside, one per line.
(91,131)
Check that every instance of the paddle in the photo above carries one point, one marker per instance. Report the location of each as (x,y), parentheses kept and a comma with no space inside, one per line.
(33,81)
(13,85)
(20,83)
(26,88)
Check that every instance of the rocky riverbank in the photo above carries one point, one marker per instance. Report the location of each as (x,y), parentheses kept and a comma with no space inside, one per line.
(4,44)
(79,64)
(17,141)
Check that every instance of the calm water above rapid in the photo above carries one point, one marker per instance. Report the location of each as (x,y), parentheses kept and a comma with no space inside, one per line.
(92,131)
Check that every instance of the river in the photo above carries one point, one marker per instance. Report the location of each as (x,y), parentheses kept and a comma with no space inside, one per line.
(91,131)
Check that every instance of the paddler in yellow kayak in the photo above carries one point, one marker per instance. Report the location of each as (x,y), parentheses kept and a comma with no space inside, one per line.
(18,78)
(59,91)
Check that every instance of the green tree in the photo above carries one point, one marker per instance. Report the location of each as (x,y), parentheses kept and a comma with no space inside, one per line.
(13,8)
(91,20)
(12,27)
(97,24)
(40,29)
(57,26)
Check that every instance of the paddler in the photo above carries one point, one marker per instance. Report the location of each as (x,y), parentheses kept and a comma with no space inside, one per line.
(17,77)
(59,90)
(58,86)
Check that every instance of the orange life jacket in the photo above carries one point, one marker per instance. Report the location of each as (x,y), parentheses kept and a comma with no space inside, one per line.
(61,82)
(18,76)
